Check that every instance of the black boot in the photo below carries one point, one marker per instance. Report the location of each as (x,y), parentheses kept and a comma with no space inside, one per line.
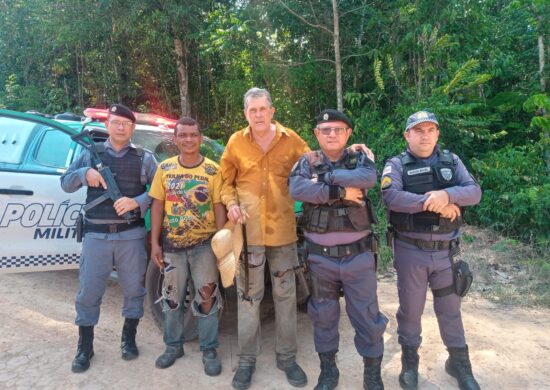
(408,379)
(328,378)
(458,365)
(294,373)
(85,349)
(211,362)
(372,374)
(128,339)
(243,376)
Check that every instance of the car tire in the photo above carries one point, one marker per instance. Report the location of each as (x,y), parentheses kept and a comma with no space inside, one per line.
(153,284)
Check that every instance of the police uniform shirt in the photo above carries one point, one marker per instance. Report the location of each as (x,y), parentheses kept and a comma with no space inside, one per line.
(303,188)
(466,192)
(75,178)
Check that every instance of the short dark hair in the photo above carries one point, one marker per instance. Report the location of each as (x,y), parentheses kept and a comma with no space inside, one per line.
(186,121)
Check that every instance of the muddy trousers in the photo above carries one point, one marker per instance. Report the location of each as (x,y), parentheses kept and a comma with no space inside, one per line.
(198,264)
(416,270)
(97,260)
(356,276)
(281,260)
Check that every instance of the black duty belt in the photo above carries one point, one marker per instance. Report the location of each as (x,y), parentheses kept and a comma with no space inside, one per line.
(369,243)
(90,227)
(427,245)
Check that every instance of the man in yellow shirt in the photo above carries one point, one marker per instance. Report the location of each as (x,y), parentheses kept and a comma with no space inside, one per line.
(255,167)
(187,210)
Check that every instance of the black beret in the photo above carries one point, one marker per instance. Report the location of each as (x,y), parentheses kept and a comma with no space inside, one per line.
(121,110)
(330,115)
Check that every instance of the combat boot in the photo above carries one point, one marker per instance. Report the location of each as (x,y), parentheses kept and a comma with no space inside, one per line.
(328,378)
(243,376)
(372,374)
(408,379)
(128,339)
(169,356)
(458,365)
(294,373)
(85,349)
(211,362)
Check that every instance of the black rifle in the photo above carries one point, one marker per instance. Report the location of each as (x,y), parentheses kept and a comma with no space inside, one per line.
(112,192)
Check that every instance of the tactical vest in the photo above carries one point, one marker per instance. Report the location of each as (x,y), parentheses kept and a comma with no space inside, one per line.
(338,216)
(419,178)
(129,176)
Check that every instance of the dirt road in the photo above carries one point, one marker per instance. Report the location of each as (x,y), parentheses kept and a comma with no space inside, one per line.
(510,346)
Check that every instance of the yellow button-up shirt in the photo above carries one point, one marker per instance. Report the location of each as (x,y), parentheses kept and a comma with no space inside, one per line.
(258,182)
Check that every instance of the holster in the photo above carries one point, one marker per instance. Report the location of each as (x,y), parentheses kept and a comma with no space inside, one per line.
(389,236)
(462,275)
(303,278)
(79,226)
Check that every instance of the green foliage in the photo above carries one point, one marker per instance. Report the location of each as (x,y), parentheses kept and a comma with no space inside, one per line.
(516,198)
(477,70)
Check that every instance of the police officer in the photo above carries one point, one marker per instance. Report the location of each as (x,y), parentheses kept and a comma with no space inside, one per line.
(111,240)
(337,221)
(425,190)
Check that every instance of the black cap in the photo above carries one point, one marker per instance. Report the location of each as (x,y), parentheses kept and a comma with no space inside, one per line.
(330,115)
(122,110)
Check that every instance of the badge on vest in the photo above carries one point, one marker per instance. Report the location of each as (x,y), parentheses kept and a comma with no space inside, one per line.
(418,171)
(446,173)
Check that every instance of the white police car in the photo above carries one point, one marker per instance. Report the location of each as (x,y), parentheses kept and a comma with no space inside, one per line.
(37,218)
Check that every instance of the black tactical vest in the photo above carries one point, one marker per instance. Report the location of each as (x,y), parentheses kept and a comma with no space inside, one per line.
(419,178)
(338,216)
(128,175)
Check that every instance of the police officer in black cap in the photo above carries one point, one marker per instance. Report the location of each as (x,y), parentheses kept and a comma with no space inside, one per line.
(337,220)
(425,190)
(111,240)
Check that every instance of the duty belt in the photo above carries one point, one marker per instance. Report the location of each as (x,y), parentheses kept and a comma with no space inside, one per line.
(110,225)
(427,245)
(369,243)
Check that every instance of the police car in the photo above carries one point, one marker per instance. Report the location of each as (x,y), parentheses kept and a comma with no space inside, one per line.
(37,218)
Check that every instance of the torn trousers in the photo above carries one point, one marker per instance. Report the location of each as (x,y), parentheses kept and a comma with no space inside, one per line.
(197,263)
(281,261)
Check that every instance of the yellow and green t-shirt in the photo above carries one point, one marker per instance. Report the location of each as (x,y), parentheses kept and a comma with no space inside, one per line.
(189,195)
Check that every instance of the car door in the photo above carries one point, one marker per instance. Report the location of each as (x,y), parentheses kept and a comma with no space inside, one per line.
(37,218)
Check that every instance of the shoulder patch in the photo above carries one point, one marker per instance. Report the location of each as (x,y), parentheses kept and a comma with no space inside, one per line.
(387,170)
(386,182)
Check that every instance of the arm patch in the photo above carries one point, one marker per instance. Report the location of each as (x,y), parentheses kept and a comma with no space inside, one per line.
(386,182)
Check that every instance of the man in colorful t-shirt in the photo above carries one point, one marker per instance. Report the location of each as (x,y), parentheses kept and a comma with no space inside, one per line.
(185,213)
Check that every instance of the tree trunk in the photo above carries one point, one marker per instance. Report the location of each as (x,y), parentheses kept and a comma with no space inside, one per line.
(337,61)
(541,64)
(183,80)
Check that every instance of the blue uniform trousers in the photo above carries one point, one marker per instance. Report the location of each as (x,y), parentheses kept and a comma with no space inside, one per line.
(96,264)
(416,269)
(357,277)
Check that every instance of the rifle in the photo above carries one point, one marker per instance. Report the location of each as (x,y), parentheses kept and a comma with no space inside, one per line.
(112,192)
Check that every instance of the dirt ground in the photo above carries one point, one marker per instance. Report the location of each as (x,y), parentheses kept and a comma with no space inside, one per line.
(510,346)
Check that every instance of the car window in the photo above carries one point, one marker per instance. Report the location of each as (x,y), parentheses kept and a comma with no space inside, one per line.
(54,149)
(14,134)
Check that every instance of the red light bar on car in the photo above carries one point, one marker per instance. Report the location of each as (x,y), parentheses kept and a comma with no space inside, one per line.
(101,114)
(97,113)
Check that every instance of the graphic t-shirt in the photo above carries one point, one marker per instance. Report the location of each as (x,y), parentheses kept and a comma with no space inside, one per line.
(189,195)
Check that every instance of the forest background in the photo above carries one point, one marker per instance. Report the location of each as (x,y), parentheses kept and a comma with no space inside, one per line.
(481,66)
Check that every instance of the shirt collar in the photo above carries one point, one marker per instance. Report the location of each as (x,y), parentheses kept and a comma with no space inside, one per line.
(108,145)
(279,129)
(436,151)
